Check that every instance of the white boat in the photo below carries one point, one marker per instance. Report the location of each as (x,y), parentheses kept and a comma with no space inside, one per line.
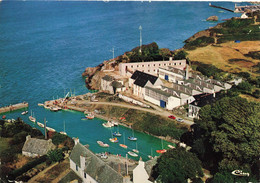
(24,112)
(114,140)
(64,132)
(40,124)
(90,116)
(132,154)
(114,123)
(31,118)
(40,104)
(170,146)
(46,106)
(132,138)
(102,144)
(50,129)
(108,124)
(135,150)
(54,109)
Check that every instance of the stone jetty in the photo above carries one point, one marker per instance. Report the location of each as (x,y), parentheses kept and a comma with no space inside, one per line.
(13,107)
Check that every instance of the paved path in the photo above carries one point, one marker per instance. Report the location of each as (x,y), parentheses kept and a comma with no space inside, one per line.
(158,110)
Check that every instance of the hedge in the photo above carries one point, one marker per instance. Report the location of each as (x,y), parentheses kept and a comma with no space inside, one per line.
(26,167)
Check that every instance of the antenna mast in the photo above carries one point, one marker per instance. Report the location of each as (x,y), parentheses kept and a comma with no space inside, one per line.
(140,28)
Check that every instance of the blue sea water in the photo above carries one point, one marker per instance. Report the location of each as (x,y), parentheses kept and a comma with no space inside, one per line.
(46,45)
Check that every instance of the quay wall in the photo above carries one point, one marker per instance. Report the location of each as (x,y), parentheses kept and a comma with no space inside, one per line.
(13,107)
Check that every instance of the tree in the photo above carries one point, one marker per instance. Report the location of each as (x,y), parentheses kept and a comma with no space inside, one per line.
(165,53)
(245,86)
(232,128)
(180,55)
(55,155)
(177,165)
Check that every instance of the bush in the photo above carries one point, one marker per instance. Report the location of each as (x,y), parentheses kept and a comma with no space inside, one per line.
(55,155)
(209,70)
(256,94)
(27,167)
(244,86)
(180,55)
(58,138)
(199,42)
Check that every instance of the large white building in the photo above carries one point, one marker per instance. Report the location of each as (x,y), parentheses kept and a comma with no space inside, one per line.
(139,80)
(149,67)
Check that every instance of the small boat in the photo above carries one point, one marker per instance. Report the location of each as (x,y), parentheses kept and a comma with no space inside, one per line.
(40,104)
(54,109)
(132,154)
(240,173)
(117,134)
(135,150)
(114,140)
(90,116)
(84,118)
(161,151)
(170,146)
(108,124)
(24,112)
(31,118)
(40,124)
(4,116)
(150,157)
(63,133)
(115,123)
(132,138)
(123,145)
(46,106)
(102,144)
(50,129)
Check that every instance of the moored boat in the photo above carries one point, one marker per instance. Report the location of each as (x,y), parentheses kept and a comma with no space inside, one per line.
(132,138)
(117,134)
(50,129)
(54,109)
(123,145)
(4,116)
(102,144)
(150,157)
(90,116)
(132,154)
(161,151)
(31,118)
(24,112)
(135,150)
(40,124)
(63,133)
(114,123)
(170,146)
(40,104)
(114,140)
(108,124)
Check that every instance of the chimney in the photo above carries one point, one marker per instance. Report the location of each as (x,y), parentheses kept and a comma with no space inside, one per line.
(170,58)
(214,94)
(82,162)
(187,72)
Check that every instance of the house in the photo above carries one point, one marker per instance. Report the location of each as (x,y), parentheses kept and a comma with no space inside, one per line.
(167,98)
(110,85)
(34,147)
(200,101)
(142,172)
(149,67)
(139,80)
(172,74)
(91,168)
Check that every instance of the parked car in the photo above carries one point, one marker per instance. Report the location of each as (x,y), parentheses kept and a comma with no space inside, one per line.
(180,120)
(172,117)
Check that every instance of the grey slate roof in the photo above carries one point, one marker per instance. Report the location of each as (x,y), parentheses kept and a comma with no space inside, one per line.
(142,78)
(161,92)
(37,146)
(108,78)
(150,164)
(94,166)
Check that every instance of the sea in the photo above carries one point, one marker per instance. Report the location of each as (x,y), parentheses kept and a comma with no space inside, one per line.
(46,45)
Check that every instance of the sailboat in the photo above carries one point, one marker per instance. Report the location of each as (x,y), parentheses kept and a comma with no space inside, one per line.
(151,156)
(162,150)
(135,150)
(64,132)
(132,138)
(123,145)
(114,140)
(40,124)
(31,118)
(117,134)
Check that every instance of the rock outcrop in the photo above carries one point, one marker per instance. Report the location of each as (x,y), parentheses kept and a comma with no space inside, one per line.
(212,18)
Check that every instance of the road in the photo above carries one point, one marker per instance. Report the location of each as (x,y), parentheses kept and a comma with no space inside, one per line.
(157,110)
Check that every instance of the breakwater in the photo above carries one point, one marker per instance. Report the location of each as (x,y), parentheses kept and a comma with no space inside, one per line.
(13,107)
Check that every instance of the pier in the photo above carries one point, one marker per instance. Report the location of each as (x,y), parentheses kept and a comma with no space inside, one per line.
(13,107)
(214,6)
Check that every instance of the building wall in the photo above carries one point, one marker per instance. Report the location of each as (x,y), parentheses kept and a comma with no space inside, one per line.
(172,77)
(80,173)
(105,86)
(150,67)
(28,154)
(193,111)
(139,174)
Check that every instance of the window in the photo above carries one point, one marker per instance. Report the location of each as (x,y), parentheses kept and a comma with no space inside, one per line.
(154,65)
(142,65)
(77,168)
(164,64)
(148,70)
(174,63)
(180,63)
(148,65)
(85,175)
(131,66)
(137,66)
(159,64)
(154,70)
(169,63)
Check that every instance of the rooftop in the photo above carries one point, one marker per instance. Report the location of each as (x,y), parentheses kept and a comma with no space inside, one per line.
(108,78)
(204,99)
(141,78)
